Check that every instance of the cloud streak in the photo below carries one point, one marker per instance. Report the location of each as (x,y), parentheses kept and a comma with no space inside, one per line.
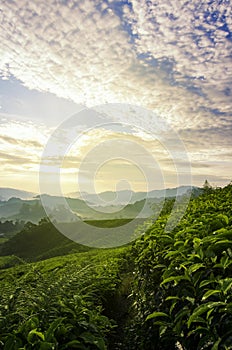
(21,145)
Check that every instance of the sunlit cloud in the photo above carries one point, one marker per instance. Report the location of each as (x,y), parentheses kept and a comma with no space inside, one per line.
(21,148)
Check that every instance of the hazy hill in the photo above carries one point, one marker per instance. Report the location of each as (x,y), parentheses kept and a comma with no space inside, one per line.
(7,193)
(72,209)
(32,210)
(18,209)
(109,197)
(128,196)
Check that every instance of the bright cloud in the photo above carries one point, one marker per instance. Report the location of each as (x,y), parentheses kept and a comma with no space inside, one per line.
(21,149)
(84,51)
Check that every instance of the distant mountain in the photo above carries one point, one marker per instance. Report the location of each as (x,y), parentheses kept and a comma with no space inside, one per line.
(114,198)
(124,204)
(103,199)
(19,209)
(7,193)
(129,197)
(172,192)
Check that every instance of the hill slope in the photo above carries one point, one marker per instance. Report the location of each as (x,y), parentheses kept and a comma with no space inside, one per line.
(36,242)
(183,279)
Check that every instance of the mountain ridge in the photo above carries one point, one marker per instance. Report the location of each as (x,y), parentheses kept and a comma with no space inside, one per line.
(71,209)
(128,196)
(8,192)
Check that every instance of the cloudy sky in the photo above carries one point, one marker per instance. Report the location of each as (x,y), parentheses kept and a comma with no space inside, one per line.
(171,58)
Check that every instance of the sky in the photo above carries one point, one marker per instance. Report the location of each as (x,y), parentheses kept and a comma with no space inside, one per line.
(171,61)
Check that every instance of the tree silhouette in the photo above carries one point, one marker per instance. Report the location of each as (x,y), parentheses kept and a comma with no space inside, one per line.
(207,187)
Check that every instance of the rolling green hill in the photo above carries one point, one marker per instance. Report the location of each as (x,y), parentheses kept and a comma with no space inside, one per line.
(36,242)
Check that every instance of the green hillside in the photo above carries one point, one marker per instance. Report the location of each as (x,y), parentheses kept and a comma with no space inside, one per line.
(42,241)
(61,303)
(182,290)
(168,290)
(36,242)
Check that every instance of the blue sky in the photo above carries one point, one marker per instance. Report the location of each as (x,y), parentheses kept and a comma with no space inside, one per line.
(170,57)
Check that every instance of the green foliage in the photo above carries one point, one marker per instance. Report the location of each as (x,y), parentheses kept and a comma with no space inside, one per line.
(9,228)
(57,303)
(108,223)
(182,291)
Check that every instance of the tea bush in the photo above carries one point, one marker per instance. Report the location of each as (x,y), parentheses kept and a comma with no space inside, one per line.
(57,303)
(182,290)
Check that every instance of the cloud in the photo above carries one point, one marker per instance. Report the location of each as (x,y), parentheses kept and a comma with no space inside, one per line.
(72,43)
(210,143)
(41,107)
(155,54)
(130,155)
(195,37)
(14,141)
(21,145)
(214,180)
(11,159)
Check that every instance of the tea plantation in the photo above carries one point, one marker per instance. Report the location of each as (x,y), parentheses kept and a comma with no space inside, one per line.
(167,290)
